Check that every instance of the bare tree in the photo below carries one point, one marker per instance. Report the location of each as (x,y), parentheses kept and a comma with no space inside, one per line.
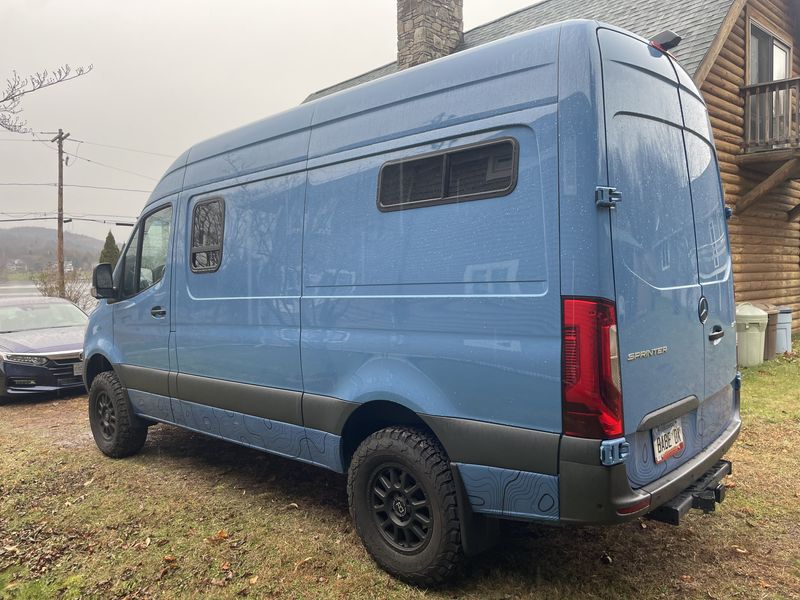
(17,87)
(76,287)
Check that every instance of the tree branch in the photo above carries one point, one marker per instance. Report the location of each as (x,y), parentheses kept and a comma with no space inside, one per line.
(17,87)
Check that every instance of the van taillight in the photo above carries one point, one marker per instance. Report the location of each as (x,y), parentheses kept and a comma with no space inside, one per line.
(591,397)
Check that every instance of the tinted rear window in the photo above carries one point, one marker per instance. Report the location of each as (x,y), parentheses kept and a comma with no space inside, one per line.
(482,171)
(208,224)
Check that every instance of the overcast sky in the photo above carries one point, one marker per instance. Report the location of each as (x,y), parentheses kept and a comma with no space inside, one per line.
(167,74)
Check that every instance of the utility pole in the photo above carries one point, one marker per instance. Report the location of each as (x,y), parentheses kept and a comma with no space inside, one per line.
(60,245)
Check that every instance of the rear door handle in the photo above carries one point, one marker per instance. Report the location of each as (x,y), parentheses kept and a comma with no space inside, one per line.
(159,312)
(716,334)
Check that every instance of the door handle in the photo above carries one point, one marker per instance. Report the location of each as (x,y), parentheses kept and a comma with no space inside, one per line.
(159,312)
(716,334)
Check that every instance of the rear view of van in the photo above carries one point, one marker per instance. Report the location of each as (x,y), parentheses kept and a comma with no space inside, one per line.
(665,394)
(494,286)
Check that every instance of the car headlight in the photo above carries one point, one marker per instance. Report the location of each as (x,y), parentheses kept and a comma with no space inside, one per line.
(25,359)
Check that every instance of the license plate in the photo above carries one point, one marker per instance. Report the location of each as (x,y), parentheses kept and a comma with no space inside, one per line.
(667,440)
(77,368)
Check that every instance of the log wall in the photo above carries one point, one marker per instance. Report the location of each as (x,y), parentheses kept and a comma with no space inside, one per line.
(764,244)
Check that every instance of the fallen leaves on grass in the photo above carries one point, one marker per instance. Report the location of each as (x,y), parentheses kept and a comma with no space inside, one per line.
(171,565)
(218,537)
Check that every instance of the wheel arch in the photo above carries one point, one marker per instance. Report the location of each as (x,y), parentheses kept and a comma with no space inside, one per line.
(96,364)
(373,416)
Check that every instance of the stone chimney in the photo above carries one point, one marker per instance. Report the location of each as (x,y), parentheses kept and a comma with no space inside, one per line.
(427,30)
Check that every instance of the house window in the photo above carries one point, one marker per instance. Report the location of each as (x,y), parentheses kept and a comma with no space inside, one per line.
(208,226)
(769,108)
(467,173)
(769,57)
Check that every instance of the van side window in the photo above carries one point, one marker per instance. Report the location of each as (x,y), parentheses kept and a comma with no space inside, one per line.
(145,258)
(208,225)
(155,248)
(412,182)
(469,173)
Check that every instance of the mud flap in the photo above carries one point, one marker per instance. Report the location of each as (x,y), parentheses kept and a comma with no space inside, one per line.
(478,532)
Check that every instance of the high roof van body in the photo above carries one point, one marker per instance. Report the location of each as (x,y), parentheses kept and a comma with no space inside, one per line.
(497,285)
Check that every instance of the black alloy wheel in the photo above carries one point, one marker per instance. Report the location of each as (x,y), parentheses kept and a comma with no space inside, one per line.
(106,415)
(117,431)
(401,509)
(404,504)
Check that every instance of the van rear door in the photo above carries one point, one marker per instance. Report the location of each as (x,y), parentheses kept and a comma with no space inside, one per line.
(658,292)
(713,263)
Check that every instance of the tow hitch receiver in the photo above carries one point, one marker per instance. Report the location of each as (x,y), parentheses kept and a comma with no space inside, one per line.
(704,494)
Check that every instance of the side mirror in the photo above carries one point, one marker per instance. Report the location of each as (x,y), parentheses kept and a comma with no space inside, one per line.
(103,282)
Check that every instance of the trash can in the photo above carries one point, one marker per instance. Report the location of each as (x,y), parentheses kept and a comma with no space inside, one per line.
(771,336)
(751,327)
(783,342)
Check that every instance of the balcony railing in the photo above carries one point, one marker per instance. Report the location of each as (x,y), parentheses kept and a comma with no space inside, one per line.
(772,115)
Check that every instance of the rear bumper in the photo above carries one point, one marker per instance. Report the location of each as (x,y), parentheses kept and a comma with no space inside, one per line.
(592,493)
(704,494)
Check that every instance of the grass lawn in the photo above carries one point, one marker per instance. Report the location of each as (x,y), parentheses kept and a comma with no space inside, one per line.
(191,516)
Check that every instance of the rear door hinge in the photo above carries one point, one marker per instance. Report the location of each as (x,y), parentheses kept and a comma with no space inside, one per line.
(607,197)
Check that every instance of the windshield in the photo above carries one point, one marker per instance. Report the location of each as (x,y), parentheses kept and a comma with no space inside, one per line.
(40,316)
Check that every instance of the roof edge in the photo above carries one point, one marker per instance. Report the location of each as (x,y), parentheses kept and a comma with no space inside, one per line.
(343,81)
(724,30)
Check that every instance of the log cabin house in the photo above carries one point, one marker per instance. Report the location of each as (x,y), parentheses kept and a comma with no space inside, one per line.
(744,57)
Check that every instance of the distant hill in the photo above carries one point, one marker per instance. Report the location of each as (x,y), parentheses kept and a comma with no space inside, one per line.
(35,248)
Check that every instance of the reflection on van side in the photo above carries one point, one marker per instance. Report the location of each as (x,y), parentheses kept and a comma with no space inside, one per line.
(427,282)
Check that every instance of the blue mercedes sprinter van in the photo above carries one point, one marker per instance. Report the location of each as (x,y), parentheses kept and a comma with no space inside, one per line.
(497,285)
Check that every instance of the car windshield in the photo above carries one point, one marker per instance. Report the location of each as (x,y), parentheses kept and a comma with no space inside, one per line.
(25,317)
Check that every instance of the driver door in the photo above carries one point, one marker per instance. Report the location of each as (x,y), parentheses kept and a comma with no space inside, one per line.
(142,315)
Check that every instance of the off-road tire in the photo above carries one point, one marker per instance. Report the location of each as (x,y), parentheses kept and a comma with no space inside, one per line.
(107,399)
(424,460)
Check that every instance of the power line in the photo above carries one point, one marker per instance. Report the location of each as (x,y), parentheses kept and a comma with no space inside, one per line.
(76,185)
(68,220)
(45,213)
(94,162)
(123,148)
(103,187)
(41,141)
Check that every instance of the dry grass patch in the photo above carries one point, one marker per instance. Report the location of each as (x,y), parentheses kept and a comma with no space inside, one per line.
(192,516)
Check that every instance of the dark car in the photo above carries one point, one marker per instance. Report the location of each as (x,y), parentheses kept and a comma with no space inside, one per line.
(41,341)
